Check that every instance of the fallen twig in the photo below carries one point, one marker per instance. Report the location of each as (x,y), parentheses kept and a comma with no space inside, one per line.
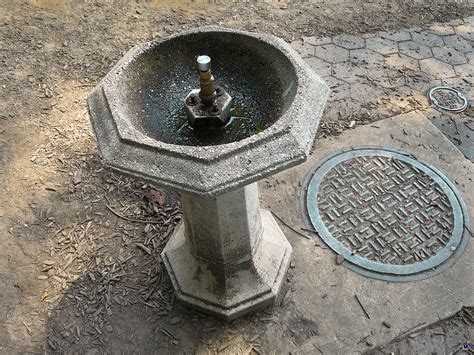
(286,224)
(408,330)
(309,230)
(131,219)
(362,306)
(144,248)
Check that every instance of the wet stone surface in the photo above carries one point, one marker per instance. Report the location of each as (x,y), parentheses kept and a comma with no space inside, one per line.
(156,89)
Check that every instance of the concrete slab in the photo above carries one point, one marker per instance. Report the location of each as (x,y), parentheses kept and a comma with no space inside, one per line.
(324,292)
(459,130)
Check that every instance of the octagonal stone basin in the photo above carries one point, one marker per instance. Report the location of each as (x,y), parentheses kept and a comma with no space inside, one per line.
(141,128)
(259,77)
(228,256)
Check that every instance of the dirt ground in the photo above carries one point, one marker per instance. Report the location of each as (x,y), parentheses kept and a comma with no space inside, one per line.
(79,262)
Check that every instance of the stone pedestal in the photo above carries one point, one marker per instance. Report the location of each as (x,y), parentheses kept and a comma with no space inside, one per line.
(228,257)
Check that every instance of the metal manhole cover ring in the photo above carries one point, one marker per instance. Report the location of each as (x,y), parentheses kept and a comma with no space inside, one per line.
(390,215)
(448,98)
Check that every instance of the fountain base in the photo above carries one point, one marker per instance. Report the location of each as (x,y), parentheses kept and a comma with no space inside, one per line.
(201,115)
(251,255)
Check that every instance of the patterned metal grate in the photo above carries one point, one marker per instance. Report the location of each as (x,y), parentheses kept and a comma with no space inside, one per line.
(391,216)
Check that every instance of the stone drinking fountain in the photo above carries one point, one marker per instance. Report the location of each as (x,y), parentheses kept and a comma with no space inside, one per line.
(166,115)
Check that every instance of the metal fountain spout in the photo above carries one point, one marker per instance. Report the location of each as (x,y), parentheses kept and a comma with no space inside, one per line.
(209,106)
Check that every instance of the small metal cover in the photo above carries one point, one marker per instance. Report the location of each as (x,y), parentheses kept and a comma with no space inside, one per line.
(448,99)
(391,216)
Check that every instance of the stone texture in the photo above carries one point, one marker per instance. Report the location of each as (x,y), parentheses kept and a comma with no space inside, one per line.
(459,132)
(339,89)
(441,30)
(349,41)
(382,45)
(366,56)
(304,49)
(401,62)
(470,57)
(415,50)
(458,43)
(387,78)
(365,93)
(349,72)
(428,39)
(465,30)
(397,36)
(449,55)
(422,83)
(436,68)
(466,72)
(332,53)
(321,67)
(229,257)
(462,85)
(316,41)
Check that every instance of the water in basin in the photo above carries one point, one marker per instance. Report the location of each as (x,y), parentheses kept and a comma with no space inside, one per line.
(259,78)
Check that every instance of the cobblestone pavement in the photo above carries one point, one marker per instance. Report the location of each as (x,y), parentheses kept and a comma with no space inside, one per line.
(378,75)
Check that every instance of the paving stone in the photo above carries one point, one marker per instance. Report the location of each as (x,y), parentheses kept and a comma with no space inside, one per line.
(466,31)
(365,93)
(382,45)
(341,108)
(470,57)
(465,71)
(332,53)
(366,56)
(401,62)
(462,85)
(405,99)
(415,50)
(422,83)
(387,78)
(456,22)
(349,41)
(304,49)
(317,41)
(347,106)
(397,36)
(470,20)
(427,38)
(436,68)
(459,130)
(319,66)
(339,89)
(350,72)
(449,55)
(441,30)
(369,35)
(458,43)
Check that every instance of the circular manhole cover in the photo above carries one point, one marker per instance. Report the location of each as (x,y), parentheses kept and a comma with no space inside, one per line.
(391,216)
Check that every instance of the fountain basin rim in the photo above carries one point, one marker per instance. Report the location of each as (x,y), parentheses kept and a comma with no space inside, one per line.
(209,170)
(129,133)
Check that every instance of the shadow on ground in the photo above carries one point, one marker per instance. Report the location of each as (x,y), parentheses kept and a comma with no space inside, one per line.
(129,306)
